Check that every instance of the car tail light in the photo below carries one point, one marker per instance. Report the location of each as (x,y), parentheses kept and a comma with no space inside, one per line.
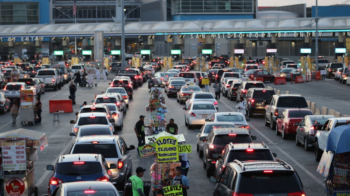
(249,150)
(276,112)
(244,127)
(241,194)
(195,80)
(115,115)
(171,86)
(103,179)
(312,130)
(216,76)
(216,103)
(53,79)
(228,86)
(90,192)
(5,88)
(75,130)
(232,134)
(193,114)
(252,101)
(252,76)
(78,162)
(120,164)
(244,91)
(213,162)
(329,70)
(135,77)
(21,87)
(125,97)
(94,142)
(118,104)
(302,193)
(211,146)
(162,78)
(55,181)
(268,171)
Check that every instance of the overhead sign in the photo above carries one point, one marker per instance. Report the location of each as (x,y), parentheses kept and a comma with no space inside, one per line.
(175,52)
(271,50)
(147,52)
(147,150)
(238,51)
(58,52)
(305,50)
(340,50)
(207,51)
(115,52)
(14,155)
(166,149)
(86,52)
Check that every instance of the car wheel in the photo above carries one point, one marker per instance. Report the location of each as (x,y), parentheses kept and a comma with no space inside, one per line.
(59,86)
(201,154)
(197,148)
(306,145)
(55,88)
(284,135)
(276,129)
(127,105)
(266,123)
(249,113)
(297,141)
(272,124)
(3,110)
(208,172)
(186,122)
(177,100)
(318,152)
(130,97)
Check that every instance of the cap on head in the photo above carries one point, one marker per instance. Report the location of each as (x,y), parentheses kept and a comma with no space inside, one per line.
(178,168)
(139,170)
(142,116)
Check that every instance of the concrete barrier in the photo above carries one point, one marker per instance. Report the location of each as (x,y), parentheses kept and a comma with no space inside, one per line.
(324,110)
(345,116)
(287,92)
(331,112)
(317,112)
(308,104)
(313,107)
(337,114)
(275,90)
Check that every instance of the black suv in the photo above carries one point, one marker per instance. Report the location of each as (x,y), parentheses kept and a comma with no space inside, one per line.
(256,99)
(243,152)
(331,68)
(216,142)
(132,74)
(212,74)
(250,178)
(246,85)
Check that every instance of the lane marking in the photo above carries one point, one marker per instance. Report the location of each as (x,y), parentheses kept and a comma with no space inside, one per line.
(282,151)
(46,173)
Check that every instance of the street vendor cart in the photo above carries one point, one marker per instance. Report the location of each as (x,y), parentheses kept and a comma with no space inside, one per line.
(27,106)
(334,164)
(19,151)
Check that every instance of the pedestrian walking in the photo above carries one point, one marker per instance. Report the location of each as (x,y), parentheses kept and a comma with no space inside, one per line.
(14,112)
(217,88)
(105,74)
(171,127)
(205,82)
(140,131)
(323,74)
(77,78)
(241,106)
(72,90)
(98,75)
(38,110)
(181,180)
(185,164)
(137,183)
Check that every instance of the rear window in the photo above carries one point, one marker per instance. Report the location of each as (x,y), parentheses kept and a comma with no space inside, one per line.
(228,118)
(127,72)
(222,71)
(203,107)
(213,71)
(336,65)
(187,75)
(70,169)
(297,114)
(250,72)
(271,183)
(120,82)
(236,85)
(286,70)
(76,67)
(27,81)
(112,107)
(46,72)
(28,69)
(106,100)
(208,128)
(226,139)
(93,109)
(204,96)
(256,85)
(11,87)
(121,91)
(178,82)
(251,67)
(288,62)
(293,66)
(97,192)
(116,64)
(292,102)
(265,95)
(323,61)
(90,121)
(95,131)
(191,88)
(235,75)
(243,155)
(319,121)
(106,150)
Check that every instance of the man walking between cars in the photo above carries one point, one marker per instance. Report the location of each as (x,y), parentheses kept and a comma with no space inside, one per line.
(241,106)
(72,90)
(181,180)
(217,88)
(137,183)
(140,131)
(14,112)
(105,74)
(205,82)
(98,75)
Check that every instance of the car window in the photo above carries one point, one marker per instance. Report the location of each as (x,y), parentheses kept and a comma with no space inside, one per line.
(244,155)
(208,128)
(191,88)
(178,82)
(92,120)
(298,113)
(106,100)
(204,96)
(323,61)
(235,75)
(226,139)
(106,150)
(203,107)
(92,109)
(76,67)
(15,87)
(252,85)
(292,102)
(264,94)
(127,72)
(97,131)
(27,81)
(113,90)
(97,192)
(71,169)
(228,118)
(187,75)
(46,72)
(336,65)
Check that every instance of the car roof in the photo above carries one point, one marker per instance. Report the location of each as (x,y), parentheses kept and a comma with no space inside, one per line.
(246,82)
(342,119)
(202,102)
(116,88)
(93,126)
(312,117)
(88,114)
(93,185)
(107,104)
(260,89)
(243,146)
(91,106)
(105,139)
(288,95)
(78,157)
(297,109)
(221,123)
(225,131)
(107,95)
(249,166)
(202,93)
(228,113)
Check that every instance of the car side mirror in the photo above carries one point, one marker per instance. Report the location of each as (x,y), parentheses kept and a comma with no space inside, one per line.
(197,131)
(253,137)
(203,138)
(50,167)
(184,108)
(112,166)
(296,124)
(72,122)
(274,154)
(131,147)
(213,180)
(72,134)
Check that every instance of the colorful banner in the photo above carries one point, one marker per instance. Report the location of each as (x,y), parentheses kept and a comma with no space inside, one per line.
(173,190)
(14,155)
(166,148)
(147,150)
(184,148)
(325,163)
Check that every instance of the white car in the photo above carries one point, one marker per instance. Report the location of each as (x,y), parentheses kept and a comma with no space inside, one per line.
(198,112)
(115,98)
(226,84)
(93,118)
(181,68)
(175,78)
(78,67)
(338,73)
(120,90)
(87,130)
(234,117)
(117,115)
(174,70)
(190,78)
(203,96)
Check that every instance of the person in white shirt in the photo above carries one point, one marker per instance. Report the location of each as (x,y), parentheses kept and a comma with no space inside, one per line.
(241,106)
(98,75)
(105,74)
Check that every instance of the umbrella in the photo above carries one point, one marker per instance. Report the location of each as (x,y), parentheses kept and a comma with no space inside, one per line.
(338,140)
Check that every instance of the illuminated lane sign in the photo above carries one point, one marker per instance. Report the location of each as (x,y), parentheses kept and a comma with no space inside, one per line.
(305,50)
(271,50)
(115,52)
(58,52)
(147,52)
(238,51)
(340,50)
(207,51)
(175,52)
(86,52)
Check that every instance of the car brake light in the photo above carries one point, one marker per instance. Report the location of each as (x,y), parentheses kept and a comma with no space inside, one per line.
(5,88)
(329,70)
(120,164)
(302,193)
(195,80)
(171,86)
(55,181)
(115,115)
(232,134)
(252,101)
(252,76)
(21,87)
(125,97)
(249,150)
(193,114)
(213,162)
(312,130)
(276,112)
(75,130)
(118,104)
(268,171)
(215,103)
(244,127)
(78,162)
(216,76)
(92,116)
(53,79)
(103,179)
(211,146)
(241,194)
(244,91)
(89,192)
(228,86)
(94,142)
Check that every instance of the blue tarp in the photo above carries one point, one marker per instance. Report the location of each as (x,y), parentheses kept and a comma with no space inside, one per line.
(339,140)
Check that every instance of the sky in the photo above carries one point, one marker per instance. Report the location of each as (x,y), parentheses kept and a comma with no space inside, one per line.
(308,2)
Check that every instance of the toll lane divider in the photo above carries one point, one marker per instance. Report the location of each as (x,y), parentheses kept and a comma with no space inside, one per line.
(299,79)
(280,80)
(60,105)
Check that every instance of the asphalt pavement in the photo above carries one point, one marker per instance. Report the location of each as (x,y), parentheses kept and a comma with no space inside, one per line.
(60,141)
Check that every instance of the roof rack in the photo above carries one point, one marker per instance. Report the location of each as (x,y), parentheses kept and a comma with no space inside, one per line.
(284,164)
(240,164)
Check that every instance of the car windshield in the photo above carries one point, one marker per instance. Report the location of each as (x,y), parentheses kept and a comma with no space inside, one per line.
(222,71)
(292,102)
(264,94)
(251,67)
(204,96)
(229,118)
(116,64)
(76,67)
(256,85)
(299,114)
(106,150)
(71,169)
(203,107)
(323,61)
(187,75)
(250,72)
(29,82)
(46,72)
(93,120)
(293,66)
(269,183)
(319,121)
(208,128)
(106,100)
(112,108)
(178,83)
(234,75)
(127,72)
(286,70)
(213,71)
(236,86)
(118,90)
(226,139)
(191,88)
(97,192)
(92,109)
(244,155)
(15,87)
(95,131)
(336,65)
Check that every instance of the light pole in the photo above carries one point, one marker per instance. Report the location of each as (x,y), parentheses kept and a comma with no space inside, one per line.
(123,36)
(316,41)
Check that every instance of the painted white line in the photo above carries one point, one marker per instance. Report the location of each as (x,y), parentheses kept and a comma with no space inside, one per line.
(283,152)
(46,173)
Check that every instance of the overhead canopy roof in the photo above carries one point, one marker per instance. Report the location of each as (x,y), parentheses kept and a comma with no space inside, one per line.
(331,24)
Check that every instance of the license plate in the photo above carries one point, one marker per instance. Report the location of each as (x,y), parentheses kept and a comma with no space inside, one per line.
(13,92)
(191,83)
(204,115)
(187,80)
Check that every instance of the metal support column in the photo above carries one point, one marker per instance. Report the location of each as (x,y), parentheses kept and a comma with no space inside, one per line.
(316,41)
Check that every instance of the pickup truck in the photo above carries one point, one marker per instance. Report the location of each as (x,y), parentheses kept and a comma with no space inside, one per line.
(12,89)
(131,73)
(50,78)
(35,84)
(190,78)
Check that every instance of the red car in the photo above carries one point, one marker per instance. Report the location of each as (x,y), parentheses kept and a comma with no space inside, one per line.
(261,74)
(286,122)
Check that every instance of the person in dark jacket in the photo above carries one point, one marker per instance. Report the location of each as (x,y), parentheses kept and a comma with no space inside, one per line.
(77,78)
(72,90)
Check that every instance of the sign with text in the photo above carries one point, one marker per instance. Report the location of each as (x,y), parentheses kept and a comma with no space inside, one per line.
(271,50)
(147,150)
(185,148)
(238,51)
(207,51)
(173,190)
(175,52)
(58,52)
(340,50)
(86,52)
(14,155)
(15,186)
(147,52)
(115,52)
(166,149)
(305,50)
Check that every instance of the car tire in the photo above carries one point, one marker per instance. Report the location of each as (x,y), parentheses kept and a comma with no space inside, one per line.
(208,172)
(127,105)
(284,135)
(201,154)
(297,143)
(177,100)
(276,129)
(186,122)
(272,124)
(266,123)
(249,113)
(197,148)
(59,86)
(55,88)
(130,97)
(306,145)
(318,152)
(3,110)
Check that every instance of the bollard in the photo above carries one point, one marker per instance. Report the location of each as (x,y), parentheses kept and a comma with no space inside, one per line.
(324,111)
(291,78)
(308,104)
(269,87)
(278,92)
(275,90)
(337,114)
(331,112)
(313,107)
(317,112)
(287,92)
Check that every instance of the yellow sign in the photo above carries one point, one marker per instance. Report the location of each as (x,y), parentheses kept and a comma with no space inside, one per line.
(166,149)
(71,47)
(185,148)
(205,81)
(173,190)
(80,44)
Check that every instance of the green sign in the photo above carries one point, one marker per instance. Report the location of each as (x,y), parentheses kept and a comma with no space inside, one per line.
(207,51)
(148,52)
(175,52)
(86,52)
(58,52)
(173,190)
(147,150)
(115,52)
(184,148)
